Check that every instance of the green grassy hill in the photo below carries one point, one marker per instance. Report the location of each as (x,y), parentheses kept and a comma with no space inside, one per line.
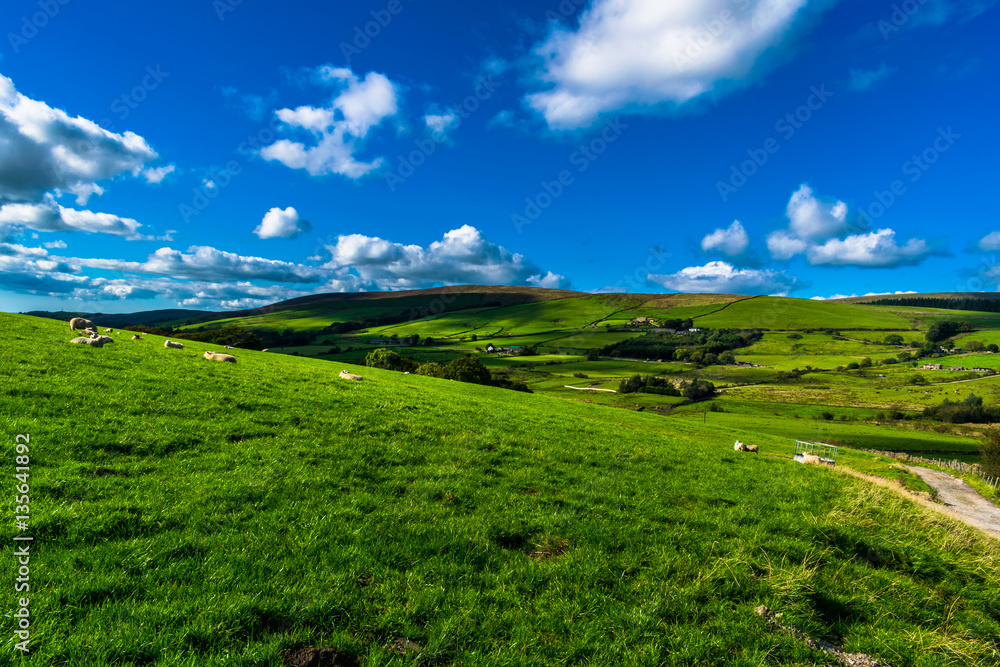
(188,512)
(782,313)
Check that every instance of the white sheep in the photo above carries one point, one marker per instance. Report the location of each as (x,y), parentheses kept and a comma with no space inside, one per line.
(344,375)
(103,340)
(173,344)
(87,341)
(229,347)
(109,331)
(136,337)
(80,323)
(220,357)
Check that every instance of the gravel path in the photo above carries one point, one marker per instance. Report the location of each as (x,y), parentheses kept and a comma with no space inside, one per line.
(961,500)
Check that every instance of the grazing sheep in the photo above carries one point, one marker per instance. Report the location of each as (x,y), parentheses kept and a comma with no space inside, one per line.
(751,448)
(87,341)
(80,323)
(220,357)
(739,447)
(229,347)
(173,344)
(344,375)
(136,337)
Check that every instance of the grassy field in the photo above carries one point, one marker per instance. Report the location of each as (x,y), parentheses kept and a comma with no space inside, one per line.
(188,512)
(781,313)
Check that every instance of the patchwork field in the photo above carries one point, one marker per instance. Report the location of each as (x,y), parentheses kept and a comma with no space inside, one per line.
(189,512)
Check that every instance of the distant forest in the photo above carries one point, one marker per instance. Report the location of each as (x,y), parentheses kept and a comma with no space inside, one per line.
(986,305)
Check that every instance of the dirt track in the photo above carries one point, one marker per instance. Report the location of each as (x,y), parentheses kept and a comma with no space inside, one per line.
(961,500)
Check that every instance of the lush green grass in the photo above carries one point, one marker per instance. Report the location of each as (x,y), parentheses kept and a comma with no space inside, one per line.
(781,313)
(188,512)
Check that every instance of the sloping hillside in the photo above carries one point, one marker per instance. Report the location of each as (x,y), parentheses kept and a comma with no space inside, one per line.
(202,513)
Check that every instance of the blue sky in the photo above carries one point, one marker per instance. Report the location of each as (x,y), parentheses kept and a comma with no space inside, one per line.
(225,154)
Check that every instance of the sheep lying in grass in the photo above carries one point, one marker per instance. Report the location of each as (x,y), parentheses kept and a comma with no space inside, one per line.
(104,340)
(80,323)
(109,331)
(173,344)
(136,337)
(344,375)
(90,332)
(87,341)
(741,447)
(811,459)
(220,357)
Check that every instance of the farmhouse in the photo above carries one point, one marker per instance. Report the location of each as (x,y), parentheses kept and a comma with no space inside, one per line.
(957,368)
(932,367)
(644,321)
(490,349)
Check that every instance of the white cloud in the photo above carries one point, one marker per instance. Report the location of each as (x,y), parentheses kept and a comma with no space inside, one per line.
(440,125)
(49,216)
(783,245)
(813,219)
(724,278)
(851,296)
(637,54)
(873,250)
(44,149)
(462,256)
(338,129)
(54,245)
(819,229)
(210,264)
(732,240)
(285,224)
(990,242)
(861,79)
(157,174)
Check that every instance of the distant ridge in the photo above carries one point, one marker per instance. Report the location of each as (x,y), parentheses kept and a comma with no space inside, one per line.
(922,295)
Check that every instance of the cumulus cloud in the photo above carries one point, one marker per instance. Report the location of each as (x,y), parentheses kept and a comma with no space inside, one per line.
(44,149)
(990,242)
(820,229)
(850,296)
(157,174)
(732,240)
(862,79)
(285,224)
(873,250)
(812,218)
(54,245)
(210,264)
(337,131)
(440,125)
(724,278)
(637,54)
(49,216)
(462,256)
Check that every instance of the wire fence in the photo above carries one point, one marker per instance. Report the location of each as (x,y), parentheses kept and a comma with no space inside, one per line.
(956,465)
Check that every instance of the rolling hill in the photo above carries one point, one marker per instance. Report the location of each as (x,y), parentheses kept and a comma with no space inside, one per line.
(187,512)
